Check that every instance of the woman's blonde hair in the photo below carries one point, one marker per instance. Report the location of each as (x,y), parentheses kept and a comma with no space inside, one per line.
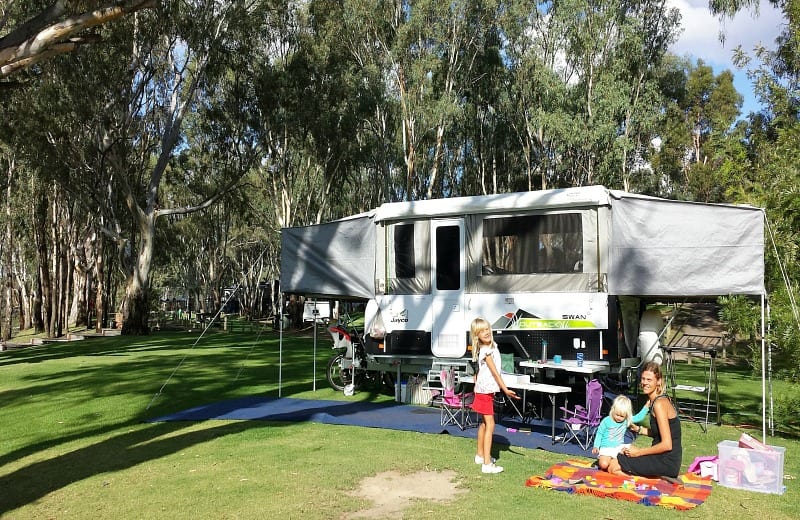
(478,325)
(622,405)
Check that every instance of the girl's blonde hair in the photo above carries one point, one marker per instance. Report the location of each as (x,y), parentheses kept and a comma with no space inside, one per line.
(622,406)
(478,325)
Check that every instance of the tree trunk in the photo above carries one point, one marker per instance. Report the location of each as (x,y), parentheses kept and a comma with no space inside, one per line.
(37,308)
(79,312)
(25,299)
(66,288)
(137,311)
(5,329)
(55,277)
(41,316)
(8,297)
(136,308)
(99,276)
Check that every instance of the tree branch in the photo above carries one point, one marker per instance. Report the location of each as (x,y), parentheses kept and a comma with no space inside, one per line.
(54,50)
(35,37)
(34,25)
(203,205)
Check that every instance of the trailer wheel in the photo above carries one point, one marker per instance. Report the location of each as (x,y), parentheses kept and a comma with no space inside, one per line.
(338,377)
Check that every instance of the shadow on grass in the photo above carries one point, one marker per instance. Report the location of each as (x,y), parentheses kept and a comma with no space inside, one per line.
(119,452)
(136,379)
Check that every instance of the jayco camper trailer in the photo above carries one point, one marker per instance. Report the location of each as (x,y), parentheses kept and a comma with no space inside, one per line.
(570,268)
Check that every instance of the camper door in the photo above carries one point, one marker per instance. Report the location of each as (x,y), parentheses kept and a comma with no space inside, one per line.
(447,272)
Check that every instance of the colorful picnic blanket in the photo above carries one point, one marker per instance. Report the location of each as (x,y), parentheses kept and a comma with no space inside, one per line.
(578,476)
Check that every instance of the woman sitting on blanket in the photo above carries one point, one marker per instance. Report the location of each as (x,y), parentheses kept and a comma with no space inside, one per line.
(663,457)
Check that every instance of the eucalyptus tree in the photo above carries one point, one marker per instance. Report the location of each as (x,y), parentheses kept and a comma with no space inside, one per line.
(613,53)
(8,163)
(583,96)
(155,70)
(305,101)
(426,53)
(174,57)
(274,120)
(537,88)
(434,58)
(38,202)
(773,182)
(701,148)
(253,247)
(43,30)
(18,266)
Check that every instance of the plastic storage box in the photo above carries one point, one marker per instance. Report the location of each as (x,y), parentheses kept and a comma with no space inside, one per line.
(751,469)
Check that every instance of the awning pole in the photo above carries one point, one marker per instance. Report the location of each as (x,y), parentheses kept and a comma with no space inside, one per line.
(314,314)
(763,373)
(280,343)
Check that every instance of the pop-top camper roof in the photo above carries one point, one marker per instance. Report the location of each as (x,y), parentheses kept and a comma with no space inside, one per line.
(656,247)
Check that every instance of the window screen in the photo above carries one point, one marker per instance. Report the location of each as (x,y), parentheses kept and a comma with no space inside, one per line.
(530,244)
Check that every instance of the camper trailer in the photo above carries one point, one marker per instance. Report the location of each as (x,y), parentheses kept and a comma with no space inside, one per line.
(566,270)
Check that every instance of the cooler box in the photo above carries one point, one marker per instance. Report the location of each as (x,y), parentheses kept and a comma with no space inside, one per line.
(751,469)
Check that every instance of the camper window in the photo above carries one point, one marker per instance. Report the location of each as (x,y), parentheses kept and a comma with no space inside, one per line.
(529,244)
(448,259)
(404,251)
(408,258)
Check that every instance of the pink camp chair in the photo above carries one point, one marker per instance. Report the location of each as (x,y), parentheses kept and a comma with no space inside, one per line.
(581,422)
(454,406)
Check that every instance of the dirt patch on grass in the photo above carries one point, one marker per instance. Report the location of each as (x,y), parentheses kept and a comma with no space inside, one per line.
(391,492)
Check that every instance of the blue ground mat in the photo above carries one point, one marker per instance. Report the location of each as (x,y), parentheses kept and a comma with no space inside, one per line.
(386,415)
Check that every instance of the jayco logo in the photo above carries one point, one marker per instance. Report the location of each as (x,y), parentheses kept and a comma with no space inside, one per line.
(400,317)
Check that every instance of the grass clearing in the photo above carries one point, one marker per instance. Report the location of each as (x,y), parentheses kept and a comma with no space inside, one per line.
(76,443)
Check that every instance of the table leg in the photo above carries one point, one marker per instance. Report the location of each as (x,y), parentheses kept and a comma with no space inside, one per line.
(511,401)
(398,395)
(553,424)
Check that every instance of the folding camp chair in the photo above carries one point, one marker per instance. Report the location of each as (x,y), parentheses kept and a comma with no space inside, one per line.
(454,406)
(581,422)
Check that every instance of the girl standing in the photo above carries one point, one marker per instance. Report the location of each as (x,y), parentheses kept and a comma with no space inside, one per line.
(487,383)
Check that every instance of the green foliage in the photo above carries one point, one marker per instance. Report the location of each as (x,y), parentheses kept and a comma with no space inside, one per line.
(742,319)
(786,405)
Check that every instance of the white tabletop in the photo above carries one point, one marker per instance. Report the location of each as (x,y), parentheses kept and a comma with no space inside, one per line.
(519,382)
(570,365)
(543,388)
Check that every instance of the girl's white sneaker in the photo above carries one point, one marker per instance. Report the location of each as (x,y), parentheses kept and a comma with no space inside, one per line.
(491,468)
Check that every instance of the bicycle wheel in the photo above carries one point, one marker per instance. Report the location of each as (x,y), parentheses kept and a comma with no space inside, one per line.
(338,377)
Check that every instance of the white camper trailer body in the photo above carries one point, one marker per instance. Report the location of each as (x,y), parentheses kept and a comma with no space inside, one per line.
(524,261)
(568,267)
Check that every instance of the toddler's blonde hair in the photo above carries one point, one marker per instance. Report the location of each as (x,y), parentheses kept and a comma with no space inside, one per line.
(478,325)
(622,406)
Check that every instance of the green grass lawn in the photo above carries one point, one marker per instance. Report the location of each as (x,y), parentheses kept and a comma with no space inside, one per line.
(75,442)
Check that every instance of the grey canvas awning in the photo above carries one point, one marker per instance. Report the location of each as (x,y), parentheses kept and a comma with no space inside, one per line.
(672,248)
(336,259)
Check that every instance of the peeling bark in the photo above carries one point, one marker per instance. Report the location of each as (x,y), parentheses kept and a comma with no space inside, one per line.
(51,33)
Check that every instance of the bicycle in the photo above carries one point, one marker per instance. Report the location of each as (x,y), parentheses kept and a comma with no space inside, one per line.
(348,369)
